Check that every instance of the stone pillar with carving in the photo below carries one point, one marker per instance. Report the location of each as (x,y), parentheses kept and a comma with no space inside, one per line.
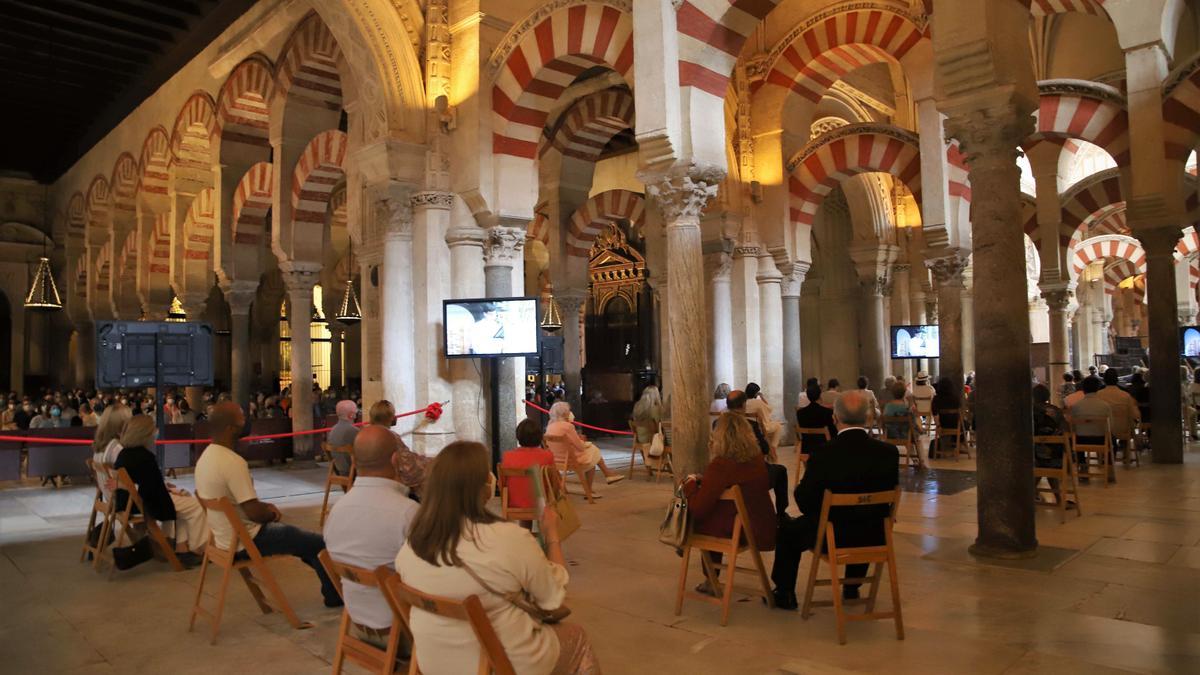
(770,313)
(396,297)
(240,296)
(968,324)
(1058,299)
(872,262)
(793,377)
(947,273)
(502,249)
(717,268)
(682,199)
(990,135)
(747,354)
(466,273)
(1159,244)
(431,258)
(300,278)
(571,303)
(370,336)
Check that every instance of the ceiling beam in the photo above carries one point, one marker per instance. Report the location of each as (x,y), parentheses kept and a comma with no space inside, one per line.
(150,16)
(33,25)
(67,53)
(79,23)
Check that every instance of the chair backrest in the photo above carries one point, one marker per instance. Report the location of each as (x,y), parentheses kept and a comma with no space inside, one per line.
(1063,440)
(558,445)
(741,523)
(897,421)
(506,473)
(924,404)
(958,421)
(891,498)
(1083,421)
(102,472)
(801,432)
(240,533)
(404,598)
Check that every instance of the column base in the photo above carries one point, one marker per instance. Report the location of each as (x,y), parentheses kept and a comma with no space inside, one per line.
(988,551)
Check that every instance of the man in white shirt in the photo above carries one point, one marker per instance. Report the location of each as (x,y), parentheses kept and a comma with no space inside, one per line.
(830,396)
(221,472)
(367,527)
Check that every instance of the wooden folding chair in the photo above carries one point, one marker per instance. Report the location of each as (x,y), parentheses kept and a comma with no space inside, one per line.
(334,478)
(350,647)
(740,541)
(925,414)
(826,549)
(252,568)
(1142,439)
(638,449)
(666,462)
(103,509)
(910,451)
(1064,475)
(404,599)
(566,463)
(503,475)
(1131,445)
(1098,460)
(948,434)
(126,518)
(801,455)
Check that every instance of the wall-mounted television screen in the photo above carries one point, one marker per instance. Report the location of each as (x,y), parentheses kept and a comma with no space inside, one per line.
(491,327)
(915,342)
(1189,341)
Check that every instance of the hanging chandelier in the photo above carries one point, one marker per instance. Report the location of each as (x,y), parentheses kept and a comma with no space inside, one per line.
(349,312)
(552,317)
(43,294)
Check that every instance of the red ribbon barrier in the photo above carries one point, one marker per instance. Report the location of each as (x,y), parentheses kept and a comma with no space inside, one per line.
(432,412)
(535,406)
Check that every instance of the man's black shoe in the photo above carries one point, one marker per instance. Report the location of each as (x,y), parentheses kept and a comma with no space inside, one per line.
(785,600)
(335,603)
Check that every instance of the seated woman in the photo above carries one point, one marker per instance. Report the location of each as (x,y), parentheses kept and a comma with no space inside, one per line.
(457,548)
(174,507)
(106,446)
(736,460)
(945,398)
(586,455)
(719,395)
(815,416)
(756,404)
(900,406)
(647,413)
(529,453)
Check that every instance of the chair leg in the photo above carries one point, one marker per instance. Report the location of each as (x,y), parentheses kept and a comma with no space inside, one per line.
(806,610)
(281,601)
(220,608)
(873,595)
(102,546)
(727,593)
(586,479)
(895,584)
(325,503)
(199,594)
(632,457)
(159,538)
(835,584)
(255,591)
(683,572)
(763,580)
(339,654)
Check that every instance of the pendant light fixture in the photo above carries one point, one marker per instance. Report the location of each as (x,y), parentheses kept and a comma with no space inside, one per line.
(43,294)
(350,312)
(552,317)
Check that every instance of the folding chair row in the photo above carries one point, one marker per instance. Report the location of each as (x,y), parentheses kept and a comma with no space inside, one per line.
(906,440)
(1062,482)
(655,466)
(119,524)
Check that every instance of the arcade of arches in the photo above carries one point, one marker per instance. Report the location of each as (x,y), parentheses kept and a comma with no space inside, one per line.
(711,191)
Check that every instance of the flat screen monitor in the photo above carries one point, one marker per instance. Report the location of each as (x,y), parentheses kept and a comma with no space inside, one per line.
(915,342)
(491,327)
(1189,341)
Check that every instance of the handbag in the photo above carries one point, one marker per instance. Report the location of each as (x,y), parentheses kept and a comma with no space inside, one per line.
(656,445)
(568,517)
(523,601)
(127,557)
(677,522)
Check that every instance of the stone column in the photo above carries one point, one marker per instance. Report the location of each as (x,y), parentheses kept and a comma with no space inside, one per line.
(747,355)
(1159,244)
(371,344)
(948,275)
(240,296)
(990,137)
(682,199)
(793,377)
(432,281)
(300,278)
(194,304)
(872,264)
(396,299)
(770,311)
(466,273)
(571,302)
(718,267)
(1058,298)
(504,245)
(968,329)
(901,316)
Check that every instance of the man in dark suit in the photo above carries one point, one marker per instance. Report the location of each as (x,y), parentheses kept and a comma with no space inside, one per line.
(736,403)
(852,462)
(815,416)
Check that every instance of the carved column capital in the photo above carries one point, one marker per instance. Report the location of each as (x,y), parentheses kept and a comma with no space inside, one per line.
(990,135)
(300,277)
(718,266)
(948,270)
(793,278)
(685,196)
(193,303)
(1058,299)
(239,295)
(570,302)
(433,200)
(503,246)
(466,236)
(901,268)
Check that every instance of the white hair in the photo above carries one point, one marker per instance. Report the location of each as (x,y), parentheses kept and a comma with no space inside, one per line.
(560,411)
(646,405)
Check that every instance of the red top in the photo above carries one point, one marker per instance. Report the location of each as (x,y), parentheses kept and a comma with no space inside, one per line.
(715,518)
(520,492)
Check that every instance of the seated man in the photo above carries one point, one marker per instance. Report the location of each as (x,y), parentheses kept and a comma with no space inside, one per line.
(776,473)
(852,463)
(343,434)
(410,465)
(221,472)
(1125,412)
(1093,406)
(814,416)
(367,527)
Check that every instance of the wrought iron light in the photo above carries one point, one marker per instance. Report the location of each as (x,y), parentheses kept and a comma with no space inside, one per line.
(349,312)
(552,317)
(43,294)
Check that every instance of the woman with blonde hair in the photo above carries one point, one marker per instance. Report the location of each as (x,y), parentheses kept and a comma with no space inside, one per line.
(457,548)
(562,439)
(105,444)
(647,413)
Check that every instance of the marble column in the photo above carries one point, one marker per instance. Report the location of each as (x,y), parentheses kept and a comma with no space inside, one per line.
(1159,244)
(682,199)
(370,258)
(432,281)
(793,377)
(240,296)
(901,316)
(300,278)
(947,273)
(747,355)
(503,247)
(396,299)
(718,267)
(571,302)
(466,271)
(968,329)
(770,312)
(990,137)
(1058,299)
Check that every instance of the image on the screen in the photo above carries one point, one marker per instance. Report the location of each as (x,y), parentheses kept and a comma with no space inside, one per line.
(491,327)
(1189,341)
(915,342)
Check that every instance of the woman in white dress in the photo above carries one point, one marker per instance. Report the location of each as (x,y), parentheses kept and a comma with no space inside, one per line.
(457,548)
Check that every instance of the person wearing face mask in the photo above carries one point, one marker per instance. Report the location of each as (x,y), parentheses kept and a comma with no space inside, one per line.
(43,419)
(8,417)
(24,415)
(221,472)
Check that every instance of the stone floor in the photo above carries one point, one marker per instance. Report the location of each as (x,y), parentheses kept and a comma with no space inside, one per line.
(1117,590)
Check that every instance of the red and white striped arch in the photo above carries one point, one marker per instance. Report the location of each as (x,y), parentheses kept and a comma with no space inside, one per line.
(544,63)
(1048,7)
(76,220)
(123,185)
(1069,110)
(1087,197)
(591,123)
(104,271)
(155,161)
(251,201)
(1189,243)
(159,261)
(198,232)
(243,105)
(711,35)
(1029,223)
(1181,113)
(838,44)
(958,184)
(596,213)
(127,263)
(194,130)
(845,152)
(317,173)
(1106,247)
(97,204)
(538,229)
(309,68)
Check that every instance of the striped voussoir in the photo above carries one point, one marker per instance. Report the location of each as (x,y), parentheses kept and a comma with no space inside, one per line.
(591,123)
(155,161)
(596,213)
(1085,116)
(160,250)
(243,104)
(104,268)
(123,184)
(76,220)
(958,185)
(194,130)
(538,230)
(81,277)
(1087,197)
(845,152)
(711,35)
(251,201)
(198,228)
(127,262)
(1029,223)
(1048,7)
(1108,247)
(317,173)
(1181,115)
(832,47)
(97,204)
(546,61)
(309,67)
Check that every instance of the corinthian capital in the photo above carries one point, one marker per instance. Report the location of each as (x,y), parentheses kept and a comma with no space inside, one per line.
(717,266)
(504,245)
(990,134)
(684,196)
(948,270)
(793,279)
